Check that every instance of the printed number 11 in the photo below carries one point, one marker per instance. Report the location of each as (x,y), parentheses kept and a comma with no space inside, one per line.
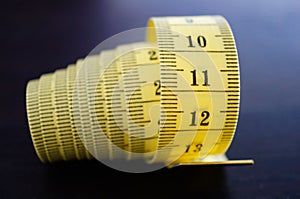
(194,78)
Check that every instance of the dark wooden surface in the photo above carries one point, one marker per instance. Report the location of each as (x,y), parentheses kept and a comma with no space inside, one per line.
(41,36)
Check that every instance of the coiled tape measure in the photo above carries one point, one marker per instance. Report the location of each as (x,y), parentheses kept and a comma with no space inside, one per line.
(173,99)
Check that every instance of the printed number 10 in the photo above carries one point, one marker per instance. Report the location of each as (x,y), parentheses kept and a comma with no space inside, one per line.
(200,40)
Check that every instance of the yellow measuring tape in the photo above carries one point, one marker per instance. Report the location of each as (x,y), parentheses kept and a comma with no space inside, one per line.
(173,99)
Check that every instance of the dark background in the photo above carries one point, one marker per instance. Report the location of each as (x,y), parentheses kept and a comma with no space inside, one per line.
(41,36)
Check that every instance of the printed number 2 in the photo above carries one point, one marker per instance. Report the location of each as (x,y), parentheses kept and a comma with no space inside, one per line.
(157,84)
(153,55)
(204,122)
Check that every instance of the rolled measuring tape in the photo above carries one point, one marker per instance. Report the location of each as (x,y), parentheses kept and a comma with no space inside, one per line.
(173,99)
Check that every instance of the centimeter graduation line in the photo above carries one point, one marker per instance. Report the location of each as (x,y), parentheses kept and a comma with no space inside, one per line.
(194,130)
(195,24)
(208,91)
(200,51)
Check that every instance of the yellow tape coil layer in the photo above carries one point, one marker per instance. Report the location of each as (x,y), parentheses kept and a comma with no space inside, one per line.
(187,75)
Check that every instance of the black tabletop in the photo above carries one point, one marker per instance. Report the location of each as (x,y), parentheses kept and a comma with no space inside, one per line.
(41,36)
